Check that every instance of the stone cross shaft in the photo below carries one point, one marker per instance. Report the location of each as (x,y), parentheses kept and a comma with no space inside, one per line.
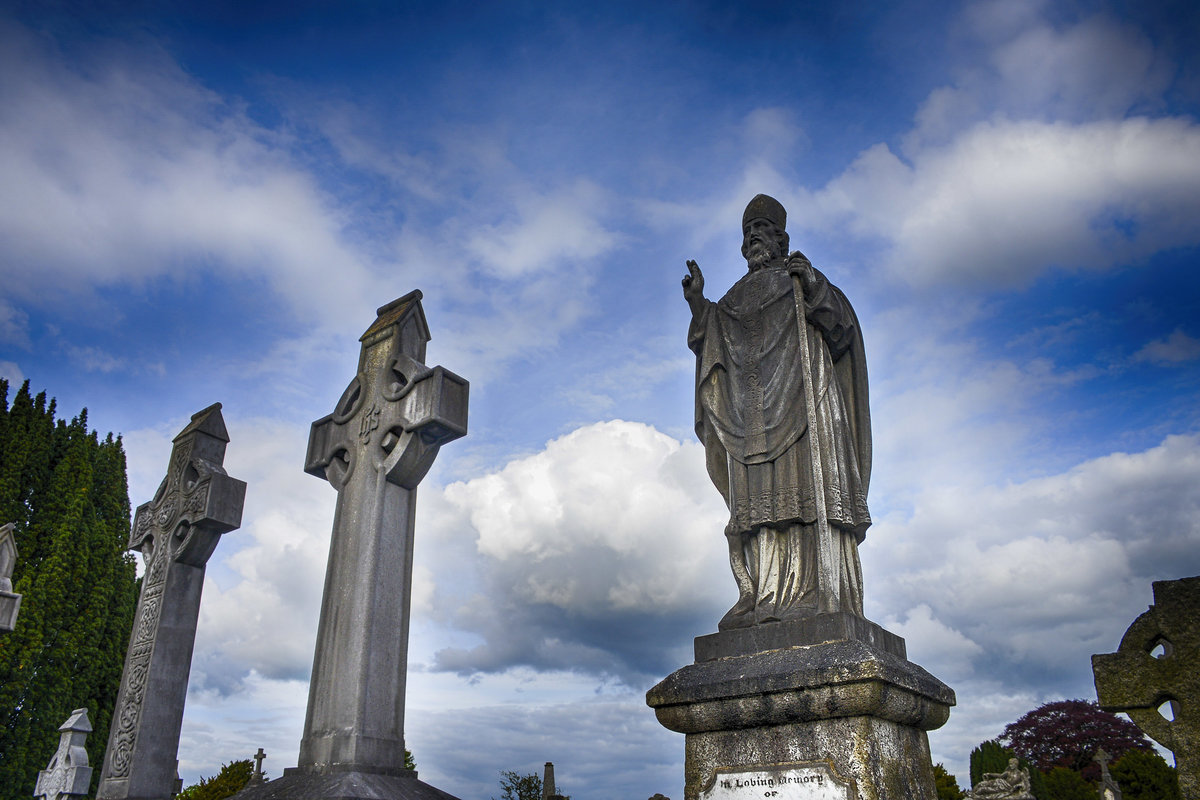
(374,449)
(176,533)
(10,601)
(1137,682)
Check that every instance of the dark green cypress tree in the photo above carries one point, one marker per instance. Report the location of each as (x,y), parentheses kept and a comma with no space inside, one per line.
(67,493)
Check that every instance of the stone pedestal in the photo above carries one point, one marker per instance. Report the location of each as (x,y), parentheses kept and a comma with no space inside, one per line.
(823,707)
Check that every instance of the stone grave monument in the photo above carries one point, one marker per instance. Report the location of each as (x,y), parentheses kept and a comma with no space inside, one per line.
(258,777)
(10,602)
(176,533)
(797,695)
(1157,664)
(549,790)
(1012,784)
(376,446)
(1108,787)
(68,774)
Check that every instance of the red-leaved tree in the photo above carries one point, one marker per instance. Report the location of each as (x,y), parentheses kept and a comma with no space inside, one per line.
(1067,733)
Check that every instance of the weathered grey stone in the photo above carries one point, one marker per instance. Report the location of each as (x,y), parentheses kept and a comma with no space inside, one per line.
(374,449)
(10,602)
(176,533)
(1109,790)
(797,692)
(1134,681)
(1012,784)
(821,628)
(68,774)
(549,790)
(257,777)
(782,410)
(344,785)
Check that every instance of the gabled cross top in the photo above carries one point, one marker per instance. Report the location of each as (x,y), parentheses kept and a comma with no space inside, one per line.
(396,412)
(196,502)
(1138,682)
(68,774)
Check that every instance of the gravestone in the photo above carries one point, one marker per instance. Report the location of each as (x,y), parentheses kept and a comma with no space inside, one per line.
(257,777)
(1156,664)
(797,694)
(68,774)
(549,790)
(1108,787)
(1012,784)
(10,602)
(376,446)
(176,532)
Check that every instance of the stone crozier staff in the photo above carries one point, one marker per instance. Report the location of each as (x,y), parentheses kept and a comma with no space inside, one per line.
(761,395)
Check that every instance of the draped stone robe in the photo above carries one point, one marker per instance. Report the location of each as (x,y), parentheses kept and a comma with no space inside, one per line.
(751,417)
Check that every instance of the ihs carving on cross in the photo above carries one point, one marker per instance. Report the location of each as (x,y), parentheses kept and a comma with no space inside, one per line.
(396,412)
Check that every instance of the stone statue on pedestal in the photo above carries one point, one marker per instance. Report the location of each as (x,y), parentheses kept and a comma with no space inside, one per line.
(797,691)
(781,407)
(1012,784)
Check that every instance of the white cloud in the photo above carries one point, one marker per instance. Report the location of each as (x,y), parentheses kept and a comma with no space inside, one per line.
(1174,349)
(14,325)
(128,169)
(1008,199)
(586,551)
(542,232)
(12,373)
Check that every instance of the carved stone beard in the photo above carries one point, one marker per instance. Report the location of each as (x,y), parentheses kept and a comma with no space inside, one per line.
(760,254)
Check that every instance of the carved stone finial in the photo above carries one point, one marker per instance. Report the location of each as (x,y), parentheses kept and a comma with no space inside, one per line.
(68,774)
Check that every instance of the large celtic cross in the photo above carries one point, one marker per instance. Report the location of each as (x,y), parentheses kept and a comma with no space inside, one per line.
(176,532)
(1157,664)
(375,448)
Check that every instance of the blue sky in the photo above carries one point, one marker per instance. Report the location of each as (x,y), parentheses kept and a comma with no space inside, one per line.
(207,202)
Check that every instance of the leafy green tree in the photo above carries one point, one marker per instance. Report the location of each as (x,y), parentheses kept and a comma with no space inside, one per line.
(989,756)
(1144,775)
(946,784)
(409,761)
(514,786)
(232,778)
(65,489)
(1067,784)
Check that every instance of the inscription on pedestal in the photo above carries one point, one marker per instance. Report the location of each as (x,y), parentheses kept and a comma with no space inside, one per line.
(805,781)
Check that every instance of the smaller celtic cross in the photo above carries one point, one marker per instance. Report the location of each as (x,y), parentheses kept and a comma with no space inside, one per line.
(176,533)
(1138,681)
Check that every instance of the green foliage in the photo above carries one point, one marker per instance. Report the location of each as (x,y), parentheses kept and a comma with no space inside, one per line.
(990,756)
(409,761)
(1144,775)
(520,787)
(946,784)
(66,492)
(232,778)
(1067,784)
